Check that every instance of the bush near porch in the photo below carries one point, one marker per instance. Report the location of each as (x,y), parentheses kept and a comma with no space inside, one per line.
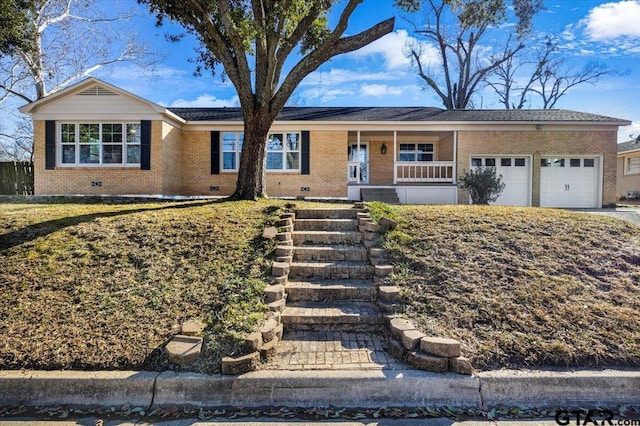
(520,287)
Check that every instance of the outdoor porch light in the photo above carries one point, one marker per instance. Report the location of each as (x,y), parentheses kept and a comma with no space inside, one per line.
(383,149)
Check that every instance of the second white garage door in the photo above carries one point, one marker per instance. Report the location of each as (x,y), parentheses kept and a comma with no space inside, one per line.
(570,182)
(516,175)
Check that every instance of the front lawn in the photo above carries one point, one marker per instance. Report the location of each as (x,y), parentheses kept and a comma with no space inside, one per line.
(521,287)
(92,286)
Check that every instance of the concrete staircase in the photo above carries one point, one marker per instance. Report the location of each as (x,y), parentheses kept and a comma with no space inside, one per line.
(330,285)
(385,195)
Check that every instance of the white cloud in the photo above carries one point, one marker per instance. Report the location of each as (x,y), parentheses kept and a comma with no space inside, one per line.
(207,100)
(393,49)
(337,76)
(612,20)
(380,90)
(323,95)
(629,132)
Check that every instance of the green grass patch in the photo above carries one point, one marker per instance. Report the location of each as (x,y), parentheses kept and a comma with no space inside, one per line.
(93,286)
(521,287)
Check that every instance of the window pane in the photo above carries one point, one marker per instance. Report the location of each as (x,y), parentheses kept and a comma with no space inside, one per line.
(274,143)
(133,154)
(112,133)
(274,161)
(293,161)
(425,147)
(557,162)
(407,147)
(407,156)
(490,162)
(425,157)
(519,162)
(589,162)
(574,162)
(229,161)
(112,154)
(89,133)
(229,142)
(133,132)
(633,165)
(545,162)
(505,162)
(240,141)
(90,154)
(68,154)
(476,162)
(292,142)
(68,133)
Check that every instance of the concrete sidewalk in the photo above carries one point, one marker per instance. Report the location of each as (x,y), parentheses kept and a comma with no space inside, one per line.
(321,388)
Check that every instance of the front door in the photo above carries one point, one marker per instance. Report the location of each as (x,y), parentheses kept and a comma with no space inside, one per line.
(359,163)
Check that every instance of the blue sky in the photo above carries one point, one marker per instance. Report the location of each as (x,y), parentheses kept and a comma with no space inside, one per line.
(381,75)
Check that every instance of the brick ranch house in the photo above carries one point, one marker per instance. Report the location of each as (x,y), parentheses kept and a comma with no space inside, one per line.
(629,169)
(95,138)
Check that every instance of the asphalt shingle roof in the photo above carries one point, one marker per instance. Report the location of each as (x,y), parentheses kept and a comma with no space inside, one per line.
(418,114)
(631,145)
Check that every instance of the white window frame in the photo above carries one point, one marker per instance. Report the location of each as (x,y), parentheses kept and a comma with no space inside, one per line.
(126,142)
(238,142)
(285,152)
(629,168)
(416,152)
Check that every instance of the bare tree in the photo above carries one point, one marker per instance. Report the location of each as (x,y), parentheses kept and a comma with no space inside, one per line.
(548,76)
(457,29)
(70,39)
(252,40)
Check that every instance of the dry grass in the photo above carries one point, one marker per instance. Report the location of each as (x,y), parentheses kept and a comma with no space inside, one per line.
(521,287)
(91,286)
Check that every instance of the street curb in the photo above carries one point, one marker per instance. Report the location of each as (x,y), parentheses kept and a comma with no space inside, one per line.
(318,388)
(561,388)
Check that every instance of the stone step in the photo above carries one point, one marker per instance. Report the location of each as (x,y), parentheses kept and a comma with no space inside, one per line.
(326,224)
(346,213)
(326,238)
(331,270)
(330,253)
(385,195)
(331,290)
(336,316)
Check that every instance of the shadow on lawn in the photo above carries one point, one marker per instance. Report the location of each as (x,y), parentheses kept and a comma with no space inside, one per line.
(31,232)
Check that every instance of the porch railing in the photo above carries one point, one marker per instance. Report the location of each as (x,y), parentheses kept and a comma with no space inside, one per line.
(432,171)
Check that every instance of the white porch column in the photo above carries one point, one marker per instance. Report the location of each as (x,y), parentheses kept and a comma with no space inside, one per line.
(358,158)
(395,167)
(455,157)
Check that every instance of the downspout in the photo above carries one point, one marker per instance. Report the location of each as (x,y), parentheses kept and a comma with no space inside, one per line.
(358,159)
(395,166)
(455,163)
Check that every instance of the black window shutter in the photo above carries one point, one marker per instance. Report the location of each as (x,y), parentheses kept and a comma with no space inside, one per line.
(215,153)
(145,145)
(304,153)
(50,145)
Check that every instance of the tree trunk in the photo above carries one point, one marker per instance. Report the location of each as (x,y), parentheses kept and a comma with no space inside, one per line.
(251,183)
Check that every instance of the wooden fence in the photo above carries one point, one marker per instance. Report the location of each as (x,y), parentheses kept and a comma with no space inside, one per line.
(16,178)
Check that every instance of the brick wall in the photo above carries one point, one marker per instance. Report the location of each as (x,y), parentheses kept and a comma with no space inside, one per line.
(327,159)
(115,180)
(171,158)
(541,143)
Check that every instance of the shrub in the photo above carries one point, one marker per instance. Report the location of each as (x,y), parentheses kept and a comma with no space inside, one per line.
(483,184)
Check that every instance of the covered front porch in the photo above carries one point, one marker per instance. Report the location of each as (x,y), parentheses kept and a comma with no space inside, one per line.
(419,165)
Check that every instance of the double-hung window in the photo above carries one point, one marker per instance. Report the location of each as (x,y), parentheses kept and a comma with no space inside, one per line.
(632,165)
(100,143)
(283,151)
(231,149)
(416,152)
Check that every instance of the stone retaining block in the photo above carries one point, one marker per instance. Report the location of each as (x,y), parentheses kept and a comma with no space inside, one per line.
(192,328)
(388,294)
(411,339)
(460,365)
(183,349)
(427,362)
(400,325)
(268,330)
(280,269)
(253,340)
(240,365)
(440,346)
(383,270)
(273,292)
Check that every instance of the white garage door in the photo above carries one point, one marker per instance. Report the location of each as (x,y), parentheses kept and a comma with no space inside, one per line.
(516,175)
(569,182)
